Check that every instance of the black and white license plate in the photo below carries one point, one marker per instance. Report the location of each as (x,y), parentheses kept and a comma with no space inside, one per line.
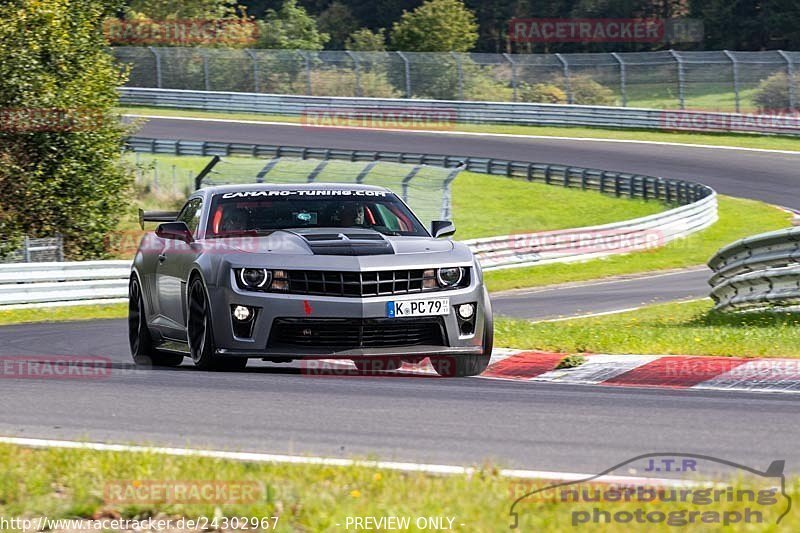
(427,307)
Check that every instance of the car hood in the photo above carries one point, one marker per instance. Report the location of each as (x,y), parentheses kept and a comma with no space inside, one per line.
(337,242)
(338,250)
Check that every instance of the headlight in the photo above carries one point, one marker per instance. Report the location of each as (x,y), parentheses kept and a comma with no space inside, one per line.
(449,277)
(254,278)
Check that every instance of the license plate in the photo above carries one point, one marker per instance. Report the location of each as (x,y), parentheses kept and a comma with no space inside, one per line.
(432,306)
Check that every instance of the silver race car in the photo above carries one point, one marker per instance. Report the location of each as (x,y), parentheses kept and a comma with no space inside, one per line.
(320,271)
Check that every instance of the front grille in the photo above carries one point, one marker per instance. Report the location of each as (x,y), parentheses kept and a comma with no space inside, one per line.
(332,283)
(347,333)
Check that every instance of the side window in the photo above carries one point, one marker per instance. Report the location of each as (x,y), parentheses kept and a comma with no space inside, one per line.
(190,214)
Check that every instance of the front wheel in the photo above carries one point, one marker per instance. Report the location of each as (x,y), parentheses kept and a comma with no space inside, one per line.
(139,338)
(201,336)
(459,366)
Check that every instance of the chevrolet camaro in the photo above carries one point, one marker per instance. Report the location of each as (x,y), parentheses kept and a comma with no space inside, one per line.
(311,271)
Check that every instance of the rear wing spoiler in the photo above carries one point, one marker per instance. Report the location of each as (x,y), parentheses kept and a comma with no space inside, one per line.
(156,216)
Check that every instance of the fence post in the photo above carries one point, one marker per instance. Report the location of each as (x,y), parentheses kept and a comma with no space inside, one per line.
(256,83)
(407,73)
(357,65)
(27,245)
(460,75)
(308,70)
(206,82)
(513,74)
(790,76)
(735,68)
(567,84)
(681,79)
(622,79)
(158,65)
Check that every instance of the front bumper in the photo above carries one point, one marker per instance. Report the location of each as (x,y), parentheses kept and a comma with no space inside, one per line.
(270,306)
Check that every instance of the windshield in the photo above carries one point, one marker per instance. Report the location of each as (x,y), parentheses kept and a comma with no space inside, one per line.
(259,212)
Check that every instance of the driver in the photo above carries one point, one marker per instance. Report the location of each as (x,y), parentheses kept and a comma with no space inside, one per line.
(350,215)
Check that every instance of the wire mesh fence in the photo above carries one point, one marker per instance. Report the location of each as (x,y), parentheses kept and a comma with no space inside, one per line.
(425,188)
(713,80)
(37,251)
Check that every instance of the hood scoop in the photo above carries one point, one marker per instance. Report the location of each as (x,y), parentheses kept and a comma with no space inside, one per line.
(350,243)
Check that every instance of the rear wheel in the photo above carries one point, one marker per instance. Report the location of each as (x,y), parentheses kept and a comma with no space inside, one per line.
(141,342)
(201,335)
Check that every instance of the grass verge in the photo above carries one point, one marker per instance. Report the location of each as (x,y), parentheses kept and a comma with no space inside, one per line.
(76,484)
(483,205)
(737,218)
(742,140)
(57,314)
(689,328)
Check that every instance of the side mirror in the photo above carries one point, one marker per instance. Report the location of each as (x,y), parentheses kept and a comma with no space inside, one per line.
(442,228)
(177,231)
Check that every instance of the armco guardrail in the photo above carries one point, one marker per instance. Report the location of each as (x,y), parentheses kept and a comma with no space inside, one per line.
(465,111)
(697,203)
(52,283)
(758,272)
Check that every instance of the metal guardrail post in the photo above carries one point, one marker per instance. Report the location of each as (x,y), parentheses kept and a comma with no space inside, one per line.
(460,73)
(158,65)
(567,84)
(407,67)
(513,74)
(27,247)
(407,180)
(357,65)
(681,79)
(256,81)
(622,79)
(790,80)
(735,69)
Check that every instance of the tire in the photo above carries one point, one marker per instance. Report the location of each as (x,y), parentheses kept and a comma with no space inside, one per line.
(200,333)
(459,366)
(141,343)
(378,364)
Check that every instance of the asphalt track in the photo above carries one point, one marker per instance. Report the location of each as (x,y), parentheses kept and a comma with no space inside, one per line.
(446,421)
(460,421)
(771,177)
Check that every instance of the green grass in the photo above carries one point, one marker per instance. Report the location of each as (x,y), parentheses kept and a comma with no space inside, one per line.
(688,328)
(767,142)
(483,205)
(57,314)
(487,206)
(737,218)
(71,484)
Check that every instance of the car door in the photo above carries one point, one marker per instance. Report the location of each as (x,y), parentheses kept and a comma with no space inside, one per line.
(172,271)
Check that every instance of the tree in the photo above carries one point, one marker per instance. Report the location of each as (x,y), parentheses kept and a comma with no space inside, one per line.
(60,141)
(291,27)
(436,26)
(337,21)
(183,9)
(364,40)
